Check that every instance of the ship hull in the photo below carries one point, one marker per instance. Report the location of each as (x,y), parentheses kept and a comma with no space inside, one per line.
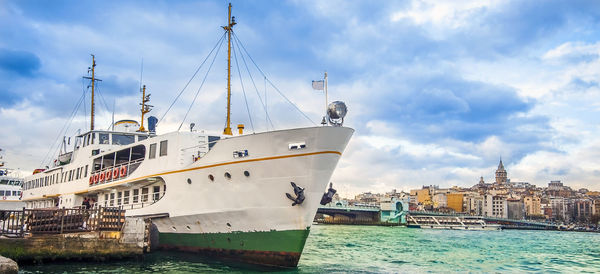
(248,217)
(274,248)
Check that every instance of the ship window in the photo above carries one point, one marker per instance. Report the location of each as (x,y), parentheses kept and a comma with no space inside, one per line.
(93,138)
(105,199)
(136,193)
(86,170)
(70,175)
(103,138)
(212,178)
(122,139)
(97,164)
(122,156)
(156,193)
(227,175)
(212,140)
(152,153)
(1,192)
(138,152)
(108,160)
(163,148)
(112,199)
(119,196)
(142,137)
(126,197)
(144,194)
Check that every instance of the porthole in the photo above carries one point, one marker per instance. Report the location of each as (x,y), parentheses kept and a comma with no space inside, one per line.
(227,175)
(188,227)
(246,173)
(212,178)
(189,181)
(174,229)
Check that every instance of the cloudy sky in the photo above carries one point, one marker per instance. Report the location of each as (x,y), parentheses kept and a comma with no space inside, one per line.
(437,91)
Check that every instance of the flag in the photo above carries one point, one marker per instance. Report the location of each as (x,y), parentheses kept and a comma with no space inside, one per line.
(318,85)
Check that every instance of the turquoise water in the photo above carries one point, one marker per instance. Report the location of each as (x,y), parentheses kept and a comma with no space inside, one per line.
(371,249)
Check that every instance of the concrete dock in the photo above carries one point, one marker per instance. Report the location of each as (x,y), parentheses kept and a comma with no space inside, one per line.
(71,234)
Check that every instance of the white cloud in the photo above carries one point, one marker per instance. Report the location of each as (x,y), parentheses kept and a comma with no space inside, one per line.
(442,15)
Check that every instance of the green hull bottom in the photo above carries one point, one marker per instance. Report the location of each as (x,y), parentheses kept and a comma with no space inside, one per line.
(274,248)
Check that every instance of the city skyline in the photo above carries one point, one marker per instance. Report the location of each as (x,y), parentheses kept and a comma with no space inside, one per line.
(437,91)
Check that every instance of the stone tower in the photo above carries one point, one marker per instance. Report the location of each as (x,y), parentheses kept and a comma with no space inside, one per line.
(501,176)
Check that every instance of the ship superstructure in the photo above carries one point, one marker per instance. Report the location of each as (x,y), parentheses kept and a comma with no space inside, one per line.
(250,197)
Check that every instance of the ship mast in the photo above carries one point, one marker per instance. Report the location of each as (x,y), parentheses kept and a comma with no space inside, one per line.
(229,29)
(93,82)
(145,107)
(93,78)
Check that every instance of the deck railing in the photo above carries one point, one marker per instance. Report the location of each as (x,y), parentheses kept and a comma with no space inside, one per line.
(17,223)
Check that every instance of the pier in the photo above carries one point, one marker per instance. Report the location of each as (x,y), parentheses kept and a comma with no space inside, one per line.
(37,235)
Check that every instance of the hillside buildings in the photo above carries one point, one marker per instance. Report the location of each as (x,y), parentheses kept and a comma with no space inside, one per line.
(514,200)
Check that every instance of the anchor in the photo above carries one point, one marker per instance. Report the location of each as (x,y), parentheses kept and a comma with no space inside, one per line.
(299,194)
(328,196)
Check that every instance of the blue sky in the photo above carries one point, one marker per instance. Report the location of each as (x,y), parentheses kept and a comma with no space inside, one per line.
(437,91)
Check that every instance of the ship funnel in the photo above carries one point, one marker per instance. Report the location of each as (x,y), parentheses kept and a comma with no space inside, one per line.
(152,123)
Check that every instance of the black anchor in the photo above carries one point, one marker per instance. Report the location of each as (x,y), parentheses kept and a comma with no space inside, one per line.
(299,195)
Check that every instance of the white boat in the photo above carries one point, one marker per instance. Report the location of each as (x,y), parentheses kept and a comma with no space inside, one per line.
(10,189)
(249,197)
(452,222)
(460,227)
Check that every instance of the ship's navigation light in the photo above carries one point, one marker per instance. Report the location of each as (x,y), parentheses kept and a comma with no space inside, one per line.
(336,111)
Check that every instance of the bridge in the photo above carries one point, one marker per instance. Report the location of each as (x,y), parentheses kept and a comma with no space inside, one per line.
(353,215)
(394,214)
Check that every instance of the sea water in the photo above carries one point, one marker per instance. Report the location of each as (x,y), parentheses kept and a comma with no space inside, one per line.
(376,249)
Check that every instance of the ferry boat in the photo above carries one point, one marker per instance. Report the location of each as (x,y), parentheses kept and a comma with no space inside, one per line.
(249,197)
(451,222)
(10,189)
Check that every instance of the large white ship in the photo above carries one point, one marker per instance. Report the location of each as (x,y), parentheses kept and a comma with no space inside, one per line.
(250,197)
